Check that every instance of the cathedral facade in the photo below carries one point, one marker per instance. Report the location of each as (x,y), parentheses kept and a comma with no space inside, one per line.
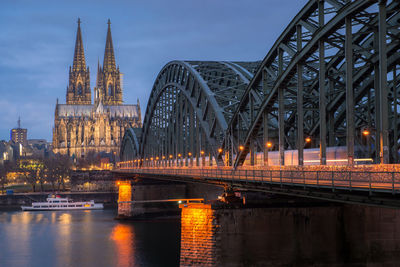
(80,126)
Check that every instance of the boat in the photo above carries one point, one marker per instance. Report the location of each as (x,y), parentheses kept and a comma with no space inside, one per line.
(59,203)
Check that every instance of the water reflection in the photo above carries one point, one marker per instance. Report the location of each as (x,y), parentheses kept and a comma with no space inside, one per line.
(77,238)
(123,237)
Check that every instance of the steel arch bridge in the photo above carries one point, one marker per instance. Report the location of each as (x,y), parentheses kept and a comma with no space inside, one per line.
(331,79)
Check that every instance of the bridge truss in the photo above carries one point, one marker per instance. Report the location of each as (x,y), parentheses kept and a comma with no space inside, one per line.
(331,78)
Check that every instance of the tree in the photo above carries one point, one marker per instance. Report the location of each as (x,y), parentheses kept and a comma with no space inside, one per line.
(32,169)
(57,169)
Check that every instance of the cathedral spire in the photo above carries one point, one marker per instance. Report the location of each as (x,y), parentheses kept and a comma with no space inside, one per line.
(109,58)
(78,90)
(79,56)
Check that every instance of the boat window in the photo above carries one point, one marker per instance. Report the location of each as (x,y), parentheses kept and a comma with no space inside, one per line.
(44,206)
(79,205)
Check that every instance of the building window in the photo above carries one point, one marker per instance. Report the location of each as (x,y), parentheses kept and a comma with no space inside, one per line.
(80,89)
(110,89)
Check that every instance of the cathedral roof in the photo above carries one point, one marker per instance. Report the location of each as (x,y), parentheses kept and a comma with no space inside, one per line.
(118,111)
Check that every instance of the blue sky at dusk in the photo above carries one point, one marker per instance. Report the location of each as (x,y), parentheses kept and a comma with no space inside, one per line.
(37,43)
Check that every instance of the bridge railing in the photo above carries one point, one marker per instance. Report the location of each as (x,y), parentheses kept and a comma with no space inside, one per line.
(372,181)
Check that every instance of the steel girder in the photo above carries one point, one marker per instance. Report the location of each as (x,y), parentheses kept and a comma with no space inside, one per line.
(189,107)
(317,44)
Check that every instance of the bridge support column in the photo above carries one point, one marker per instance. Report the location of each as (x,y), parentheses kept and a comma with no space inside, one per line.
(300,114)
(322,93)
(384,114)
(281,114)
(349,92)
(265,137)
(395,118)
(124,194)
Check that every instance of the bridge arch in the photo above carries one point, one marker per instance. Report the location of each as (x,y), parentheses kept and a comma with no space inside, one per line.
(283,106)
(189,108)
(129,146)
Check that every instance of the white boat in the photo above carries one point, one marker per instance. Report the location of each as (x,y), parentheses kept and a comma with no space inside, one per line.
(59,203)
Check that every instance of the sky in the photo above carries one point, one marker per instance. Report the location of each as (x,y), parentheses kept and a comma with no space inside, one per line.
(37,39)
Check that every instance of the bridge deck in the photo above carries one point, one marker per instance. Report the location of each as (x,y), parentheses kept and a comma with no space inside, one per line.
(345,179)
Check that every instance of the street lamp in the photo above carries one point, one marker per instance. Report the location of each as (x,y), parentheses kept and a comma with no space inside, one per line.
(220,150)
(269,144)
(241,148)
(308,140)
(366,132)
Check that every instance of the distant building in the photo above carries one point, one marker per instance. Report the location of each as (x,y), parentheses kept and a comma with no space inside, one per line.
(19,135)
(6,152)
(81,127)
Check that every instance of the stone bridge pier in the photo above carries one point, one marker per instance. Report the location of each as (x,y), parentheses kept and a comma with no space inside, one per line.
(148,191)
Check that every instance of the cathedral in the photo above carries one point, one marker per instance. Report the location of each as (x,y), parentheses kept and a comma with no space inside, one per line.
(82,127)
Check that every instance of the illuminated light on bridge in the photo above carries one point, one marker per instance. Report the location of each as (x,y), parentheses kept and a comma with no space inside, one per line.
(269,144)
(366,132)
(308,140)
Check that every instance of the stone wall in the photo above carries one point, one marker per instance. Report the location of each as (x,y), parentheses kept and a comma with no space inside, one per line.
(330,235)
(198,235)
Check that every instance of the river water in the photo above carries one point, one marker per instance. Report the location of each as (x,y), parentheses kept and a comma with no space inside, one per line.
(326,235)
(85,238)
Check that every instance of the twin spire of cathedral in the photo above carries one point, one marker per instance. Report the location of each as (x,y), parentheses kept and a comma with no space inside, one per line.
(108,88)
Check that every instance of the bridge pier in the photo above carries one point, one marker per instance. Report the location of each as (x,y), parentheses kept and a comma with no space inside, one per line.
(150,190)
(297,233)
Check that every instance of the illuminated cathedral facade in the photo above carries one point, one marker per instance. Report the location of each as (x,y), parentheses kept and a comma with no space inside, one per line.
(80,126)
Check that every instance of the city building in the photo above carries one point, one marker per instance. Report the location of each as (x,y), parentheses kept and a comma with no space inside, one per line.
(19,135)
(81,127)
(6,151)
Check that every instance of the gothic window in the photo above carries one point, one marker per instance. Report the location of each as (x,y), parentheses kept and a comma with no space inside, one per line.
(110,89)
(80,89)
(83,135)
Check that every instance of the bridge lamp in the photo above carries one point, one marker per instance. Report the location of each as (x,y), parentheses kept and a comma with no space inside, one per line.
(170,156)
(157,158)
(163,157)
(241,148)
(190,154)
(151,158)
(308,140)
(202,152)
(366,132)
(179,155)
(220,150)
(269,144)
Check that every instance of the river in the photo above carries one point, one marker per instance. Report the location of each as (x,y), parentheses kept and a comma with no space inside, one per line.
(85,239)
